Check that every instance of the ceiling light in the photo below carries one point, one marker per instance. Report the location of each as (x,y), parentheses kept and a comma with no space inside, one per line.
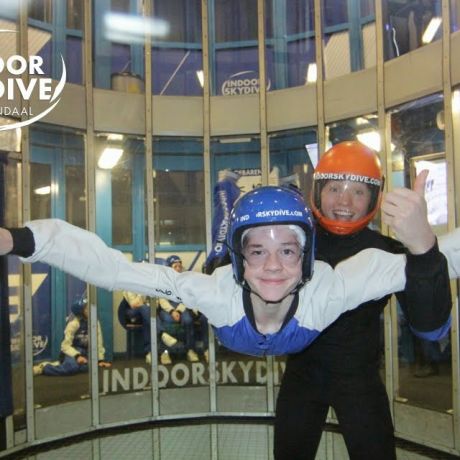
(312,73)
(431,29)
(114,137)
(127,28)
(200,76)
(456,101)
(371,139)
(109,157)
(234,140)
(46,190)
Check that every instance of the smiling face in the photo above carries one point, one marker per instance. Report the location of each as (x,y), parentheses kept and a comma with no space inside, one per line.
(345,201)
(177,266)
(272,261)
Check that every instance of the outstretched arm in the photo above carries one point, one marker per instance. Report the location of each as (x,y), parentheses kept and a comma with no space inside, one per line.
(84,255)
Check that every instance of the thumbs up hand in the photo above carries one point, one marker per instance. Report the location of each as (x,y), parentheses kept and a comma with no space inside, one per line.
(405,212)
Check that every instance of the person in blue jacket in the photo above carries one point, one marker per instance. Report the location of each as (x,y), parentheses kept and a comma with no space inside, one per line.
(75,345)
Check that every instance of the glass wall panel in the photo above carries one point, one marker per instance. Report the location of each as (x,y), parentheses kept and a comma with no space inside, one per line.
(234,61)
(408,25)
(177,67)
(118,31)
(124,316)
(363,129)
(241,379)
(57,166)
(293,154)
(418,139)
(179,193)
(454,15)
(12,218)
(179,212)
(290,43)
(11,200)
(56,30)
(349,36)
(9,16)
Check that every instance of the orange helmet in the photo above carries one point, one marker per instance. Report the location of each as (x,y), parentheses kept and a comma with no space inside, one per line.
(352,162)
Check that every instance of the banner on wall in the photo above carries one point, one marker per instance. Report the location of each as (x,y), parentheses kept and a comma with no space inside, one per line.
(41,311)
(231,184)
(242,83)
(17,98)
(244,371)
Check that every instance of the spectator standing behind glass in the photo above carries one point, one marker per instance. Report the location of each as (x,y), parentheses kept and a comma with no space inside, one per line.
(173,312)
(341,368)
(75,346)
(139,312)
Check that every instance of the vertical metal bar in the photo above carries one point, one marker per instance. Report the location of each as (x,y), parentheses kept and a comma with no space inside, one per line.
(264,156)
(321,138)
(384,129)
(90,179)
(23,46)
(148,13)
(264,153)
(214,439)
(211,48)
(452,169)
(207,183)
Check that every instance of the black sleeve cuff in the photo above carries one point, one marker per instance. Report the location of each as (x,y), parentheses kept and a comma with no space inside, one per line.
(426,263)
(23,241)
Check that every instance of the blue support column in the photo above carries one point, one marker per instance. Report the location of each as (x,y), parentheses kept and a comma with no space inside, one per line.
(59,37)
(356,37)
(280,51)
(102,47)
(59,279)
(212,47)
(137,51)
(104,230)
(6,396)
(138,206)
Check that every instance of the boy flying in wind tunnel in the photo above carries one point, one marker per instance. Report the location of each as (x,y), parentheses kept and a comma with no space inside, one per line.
(269,301)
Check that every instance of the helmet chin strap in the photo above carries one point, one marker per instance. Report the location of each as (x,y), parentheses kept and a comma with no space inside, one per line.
(247,288)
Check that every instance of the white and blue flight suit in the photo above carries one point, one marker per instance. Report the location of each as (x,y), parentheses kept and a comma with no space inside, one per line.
(369,275)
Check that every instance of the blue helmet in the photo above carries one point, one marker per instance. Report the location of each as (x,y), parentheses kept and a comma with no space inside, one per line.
(270,205)
(171,260)
(79,305)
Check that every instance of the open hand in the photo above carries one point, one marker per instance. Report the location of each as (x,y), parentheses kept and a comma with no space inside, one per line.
(405,212)
(82,360)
